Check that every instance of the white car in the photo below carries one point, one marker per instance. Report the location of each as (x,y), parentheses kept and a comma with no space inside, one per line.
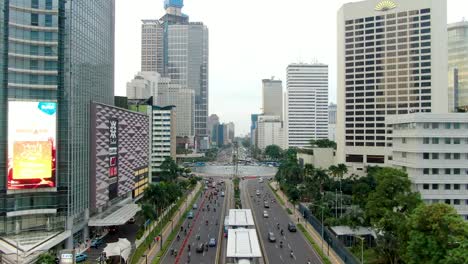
(258,192)
(260,180)
(265,214)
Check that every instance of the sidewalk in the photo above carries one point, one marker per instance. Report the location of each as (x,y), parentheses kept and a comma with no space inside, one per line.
(334,258)
(156,247)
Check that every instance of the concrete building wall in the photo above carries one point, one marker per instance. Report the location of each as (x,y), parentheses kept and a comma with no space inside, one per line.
(391,61)
(269,132)
(272,97)
(318,157)
(433,149)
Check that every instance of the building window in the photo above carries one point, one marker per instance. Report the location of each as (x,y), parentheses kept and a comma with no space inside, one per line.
(447,201)
(403,154)
(403,140)
(456,156)
(426,186)
(435,186)
(447,125)
(447,171)
(48,20)
(435,140)
(456,125)
(435,156)
(456,171)
(435,171)
(456,141)
(456,201)
(425,156)
(447,186)
(34,20)
(427,125)
(425,140)
(48,4)
(448,156)
(435,125)
(447,141)
(456,186)
(426,171)
(34,3)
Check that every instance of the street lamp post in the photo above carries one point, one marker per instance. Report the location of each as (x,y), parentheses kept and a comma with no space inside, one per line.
(146,258)
(362,247)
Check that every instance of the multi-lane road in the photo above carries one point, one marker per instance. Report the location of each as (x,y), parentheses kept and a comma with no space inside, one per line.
(206,224)
(276,221)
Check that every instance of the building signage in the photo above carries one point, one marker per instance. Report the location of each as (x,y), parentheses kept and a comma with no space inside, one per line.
(66,256)
(385,5)
(32,129)
(113,147)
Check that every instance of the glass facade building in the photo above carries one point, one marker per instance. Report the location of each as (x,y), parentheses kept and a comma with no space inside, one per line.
(63,52)
(458,65)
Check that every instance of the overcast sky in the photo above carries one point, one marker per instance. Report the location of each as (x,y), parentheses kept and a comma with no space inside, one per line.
(250,40)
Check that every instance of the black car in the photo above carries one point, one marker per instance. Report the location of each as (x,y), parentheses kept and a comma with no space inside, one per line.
(292,227)
(200,248)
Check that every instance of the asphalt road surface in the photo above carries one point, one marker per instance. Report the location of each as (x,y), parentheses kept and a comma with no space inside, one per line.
(199,227)
(295,241)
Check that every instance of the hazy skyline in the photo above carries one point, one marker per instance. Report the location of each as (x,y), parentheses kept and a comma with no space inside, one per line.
(249,41)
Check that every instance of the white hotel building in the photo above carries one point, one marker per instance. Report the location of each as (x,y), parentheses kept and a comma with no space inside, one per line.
(306,103)
(433,150)
(392,60)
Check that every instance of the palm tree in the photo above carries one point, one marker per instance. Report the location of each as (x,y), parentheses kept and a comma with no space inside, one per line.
(321,176)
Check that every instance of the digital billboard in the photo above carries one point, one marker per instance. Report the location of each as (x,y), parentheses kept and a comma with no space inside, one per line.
(32,129)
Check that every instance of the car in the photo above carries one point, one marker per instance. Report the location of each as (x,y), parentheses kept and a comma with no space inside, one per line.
(200,248)
(95,243)
(260,180)
(222,194)
(112,229)
(265,214)
(212,242)
(257,193)
(131,220)
(271,237)
(195,206)
(266,205)
(292,227)
(81,257)
(190,215)
(206,188)
(215,192)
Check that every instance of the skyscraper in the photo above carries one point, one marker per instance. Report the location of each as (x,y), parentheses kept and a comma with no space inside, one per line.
(332,122)
(458,65)
(307,103)
(392,60)
(272,97)
(53,68)
(178,49)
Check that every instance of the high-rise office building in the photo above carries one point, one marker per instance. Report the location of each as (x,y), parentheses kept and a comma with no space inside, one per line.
(253,129)
(178,49)
(272,97)
(392,60)
(53,67)
(270,131)
(332,122)
(143,86)
(458,65)
(170,93)
(307,103)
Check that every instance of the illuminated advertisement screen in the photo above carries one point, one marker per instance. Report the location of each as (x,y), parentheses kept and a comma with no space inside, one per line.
(31,144)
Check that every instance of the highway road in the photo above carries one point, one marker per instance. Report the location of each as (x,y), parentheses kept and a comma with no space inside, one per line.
(199,227)
(295,241)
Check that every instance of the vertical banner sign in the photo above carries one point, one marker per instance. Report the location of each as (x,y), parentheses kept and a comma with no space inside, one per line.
(32,129)
(113,157)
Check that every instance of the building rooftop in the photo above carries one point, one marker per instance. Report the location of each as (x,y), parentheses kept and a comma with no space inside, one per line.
(243,243)
(241,217)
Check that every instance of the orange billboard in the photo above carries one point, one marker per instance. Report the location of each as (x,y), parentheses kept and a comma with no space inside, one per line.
(31,144)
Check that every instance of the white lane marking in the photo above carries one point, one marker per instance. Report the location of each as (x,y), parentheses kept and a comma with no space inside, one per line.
(289,246)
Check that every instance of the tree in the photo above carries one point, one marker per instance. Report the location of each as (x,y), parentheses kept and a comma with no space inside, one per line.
(388,209)
(274,152)
(435,230)
(46,258)
(323,143)
(169,170)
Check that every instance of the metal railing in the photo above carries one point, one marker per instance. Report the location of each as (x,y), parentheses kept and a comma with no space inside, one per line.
(328,236)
